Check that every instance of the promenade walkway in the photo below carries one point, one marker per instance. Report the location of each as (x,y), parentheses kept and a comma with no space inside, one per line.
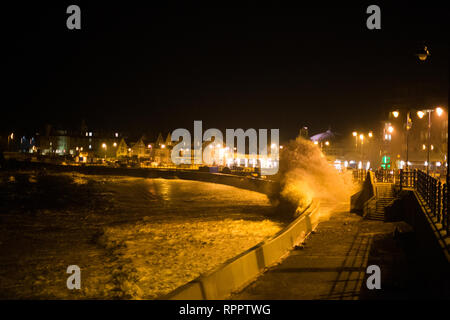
(332,262)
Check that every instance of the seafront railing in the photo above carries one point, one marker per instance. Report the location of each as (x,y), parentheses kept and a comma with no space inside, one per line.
(433,192)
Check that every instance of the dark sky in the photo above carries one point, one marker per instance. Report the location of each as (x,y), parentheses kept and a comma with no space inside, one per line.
(151,68)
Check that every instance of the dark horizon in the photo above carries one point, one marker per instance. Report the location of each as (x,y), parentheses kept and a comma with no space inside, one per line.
(150,69)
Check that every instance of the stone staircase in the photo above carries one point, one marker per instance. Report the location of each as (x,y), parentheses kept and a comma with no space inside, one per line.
(385,196)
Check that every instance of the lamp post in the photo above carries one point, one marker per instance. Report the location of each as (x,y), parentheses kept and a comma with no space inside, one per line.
(361,137)
(355,134)
(10,138)
(104,147)
(408,126)
(420,114)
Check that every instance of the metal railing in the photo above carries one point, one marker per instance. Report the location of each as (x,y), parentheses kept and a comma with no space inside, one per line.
(433,192)
(387,176)
(359,175)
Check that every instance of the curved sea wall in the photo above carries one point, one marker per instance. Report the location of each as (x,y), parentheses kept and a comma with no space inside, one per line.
(254,184)
(241,270)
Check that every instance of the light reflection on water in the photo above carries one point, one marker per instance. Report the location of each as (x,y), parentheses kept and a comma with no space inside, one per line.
(119,225)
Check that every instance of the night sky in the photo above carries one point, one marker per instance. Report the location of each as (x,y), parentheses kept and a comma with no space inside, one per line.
(148,68)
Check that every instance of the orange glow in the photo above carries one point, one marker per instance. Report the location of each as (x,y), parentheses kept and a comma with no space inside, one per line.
(439,111)
(420,114)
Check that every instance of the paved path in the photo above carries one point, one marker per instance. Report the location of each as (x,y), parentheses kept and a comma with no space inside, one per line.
(331,265)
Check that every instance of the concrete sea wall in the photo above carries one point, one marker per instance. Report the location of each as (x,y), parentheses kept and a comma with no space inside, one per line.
(241,270)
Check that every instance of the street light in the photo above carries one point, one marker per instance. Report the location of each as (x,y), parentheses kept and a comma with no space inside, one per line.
(10,137)
(104,147)
(395,114)
(361,137)
(423,54)
(420,114)
(355,134)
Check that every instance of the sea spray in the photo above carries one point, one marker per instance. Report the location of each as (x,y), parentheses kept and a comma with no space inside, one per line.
(306,174)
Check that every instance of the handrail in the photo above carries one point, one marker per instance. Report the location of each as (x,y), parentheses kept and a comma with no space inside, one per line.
(433,192)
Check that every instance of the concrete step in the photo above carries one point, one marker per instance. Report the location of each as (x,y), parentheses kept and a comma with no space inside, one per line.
(371,217)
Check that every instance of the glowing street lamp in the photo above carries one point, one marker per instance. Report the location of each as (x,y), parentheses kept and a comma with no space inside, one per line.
(395,114)
(355,134)
(423,54)
(10,138)
(390,129)
(104,147)
(420,114)
(370,134)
